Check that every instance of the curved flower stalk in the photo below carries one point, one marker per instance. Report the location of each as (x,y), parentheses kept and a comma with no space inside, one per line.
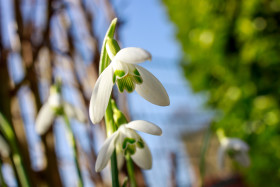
(130,143)
(54,107)
(128,76)
(236,149)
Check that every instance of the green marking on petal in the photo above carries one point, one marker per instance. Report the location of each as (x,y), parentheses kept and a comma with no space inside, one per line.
(136,72)
(140,143)
(128,141)
(138,79)
(131,149)
(114,78)
(119,73)
(120,86)
(126,83)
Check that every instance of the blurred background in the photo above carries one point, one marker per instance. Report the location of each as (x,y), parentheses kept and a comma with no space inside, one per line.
(218,60)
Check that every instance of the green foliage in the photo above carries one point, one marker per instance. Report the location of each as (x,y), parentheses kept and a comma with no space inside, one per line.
(232,52)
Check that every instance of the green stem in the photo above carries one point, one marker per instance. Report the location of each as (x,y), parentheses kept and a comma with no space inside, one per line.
(114,170)
(8,132)
(2,181)
(130,170)
(111,128)
(74,147)
(202,156)
(109,120)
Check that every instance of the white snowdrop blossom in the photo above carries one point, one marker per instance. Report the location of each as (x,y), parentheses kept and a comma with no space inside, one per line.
(128,76)
(236,149)
(53,108)
(129,142)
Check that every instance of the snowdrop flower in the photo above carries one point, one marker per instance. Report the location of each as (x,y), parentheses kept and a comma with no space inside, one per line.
(128,76)
(55,106)
(129,142)
(237,150)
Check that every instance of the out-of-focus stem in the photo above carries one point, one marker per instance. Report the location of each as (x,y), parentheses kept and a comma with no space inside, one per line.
(6,129)
(74,147)
(130,170)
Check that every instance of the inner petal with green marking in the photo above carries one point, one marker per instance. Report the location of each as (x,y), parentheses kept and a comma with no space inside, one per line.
(127,81)
(129,146)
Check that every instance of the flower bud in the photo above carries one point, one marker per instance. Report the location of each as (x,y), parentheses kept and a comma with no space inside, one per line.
(112,47)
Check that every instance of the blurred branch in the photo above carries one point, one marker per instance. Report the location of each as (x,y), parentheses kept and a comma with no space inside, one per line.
(7,130)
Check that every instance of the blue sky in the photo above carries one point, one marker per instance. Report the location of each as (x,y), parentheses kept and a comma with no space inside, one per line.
(147,26)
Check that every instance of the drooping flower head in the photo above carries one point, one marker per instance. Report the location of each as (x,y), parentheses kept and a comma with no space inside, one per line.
(236,149)
(129,142)
(56,106)
(128,76)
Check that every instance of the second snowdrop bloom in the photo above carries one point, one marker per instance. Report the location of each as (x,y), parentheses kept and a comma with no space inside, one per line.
(236,149)
(55,106)
(129,142)
(128,76)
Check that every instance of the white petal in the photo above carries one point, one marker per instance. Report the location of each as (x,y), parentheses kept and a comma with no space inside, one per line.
(74,112)
(106,152)
(132,55)
(101,95)
(151,89)
(55,100)
(120,66)
(44,119)
(235,144)
(143,157)
(144,126)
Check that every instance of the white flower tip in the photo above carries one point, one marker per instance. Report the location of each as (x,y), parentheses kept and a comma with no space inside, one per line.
(144,126)
(165,101)
(105,153)
(55,100)
(98,168)
(44,119)
(101,95)
(94,118)
(39,129)
(151,89)
(162,100)
(133,55)
(160,133)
